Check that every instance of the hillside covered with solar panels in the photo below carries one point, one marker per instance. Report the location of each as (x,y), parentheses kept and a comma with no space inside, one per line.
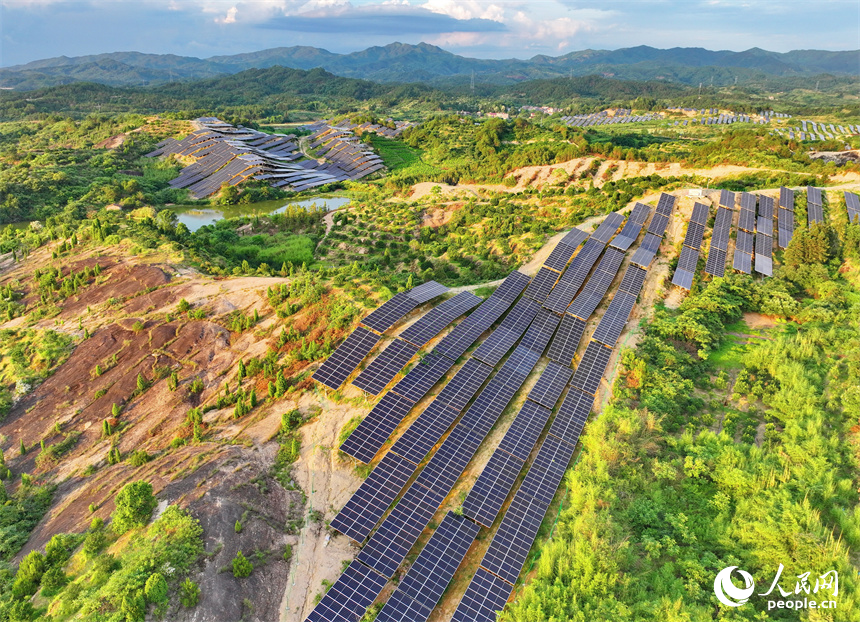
(280,344)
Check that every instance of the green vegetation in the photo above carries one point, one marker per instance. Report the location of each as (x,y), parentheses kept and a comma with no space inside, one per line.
(134,505)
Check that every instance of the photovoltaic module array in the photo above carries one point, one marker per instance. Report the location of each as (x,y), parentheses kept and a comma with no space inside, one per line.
(716,263)
(628,235)
(439,317)
(785,218)
(686,269)
(367,439)
(573,278)
(764,237)
(746,229)
(564,250)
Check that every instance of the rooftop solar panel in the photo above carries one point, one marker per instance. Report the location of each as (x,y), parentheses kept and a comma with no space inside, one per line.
(464,385)
(550,384)
(439,317)
(390,312)
(540,332)
(431,572)
(370,435)
(566,340)
(424,433)
(700,214)
(484,598)
(571,417)
(346,358)
(350,596)
(716,263)
(607,228)
(511,545)
(487,496)
(541,285)
(385,367)
(366,506)
(590,370)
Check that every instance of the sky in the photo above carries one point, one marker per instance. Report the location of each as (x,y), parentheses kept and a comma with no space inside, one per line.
(37,29)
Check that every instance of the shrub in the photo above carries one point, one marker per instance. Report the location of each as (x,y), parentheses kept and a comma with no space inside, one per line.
(241,566)
(155,589)
(134,505)
(189,593)
(29,575)
(139,458)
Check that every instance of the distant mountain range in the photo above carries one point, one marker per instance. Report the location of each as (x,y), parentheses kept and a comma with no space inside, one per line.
(399,62)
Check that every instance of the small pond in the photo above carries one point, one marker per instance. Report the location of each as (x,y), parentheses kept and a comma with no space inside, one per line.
(195,216)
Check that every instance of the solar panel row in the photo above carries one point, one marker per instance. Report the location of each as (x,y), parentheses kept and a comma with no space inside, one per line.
(573,278)
(484,598)
(695,233)
(370,435)
(722,229)
(727,199)
(644,255)
(786,198)
(746,220)
(350,596)
(628,235)
(566,340)
(607,228)
(511,328)
(700,213)
(742,262)
(613,321)
(541,285)
(852,204)
(439,317)
(431,572)
(388,313)
(766,206)
(590,370)
(666,203)
(384,367)
(540,332)
(550,384)
(595,289)
(343,361)
(564,250)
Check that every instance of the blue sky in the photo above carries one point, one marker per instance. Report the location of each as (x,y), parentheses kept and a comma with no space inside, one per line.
(35,29)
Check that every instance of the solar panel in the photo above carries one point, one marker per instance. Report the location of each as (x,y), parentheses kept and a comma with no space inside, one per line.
(688,259)
(666,203)
(766,206)
(370,435)
(386,315)
(540,332)
(488,494)
(564,250)
(742,262)
(746,220)
(346,358)
(764,265)
(658,225)
(509,331)
(727,198)
(366,506)
(748,201)
(764,226)
(439,317)
(590,370)
(785,236)
(571,417)
(595,289)
(786,199)
(575,237)
(417,441)
(431,572)
(384,367)
(607,228)
(814,213)
(512,286)
(484,598)
(813,195)
(722,229)
(464,385)
(695,232)
(639,214)
(447,464)
(644,255)
(700,214)
(350,596)
(763,245)
(550,385)
(547,471)
(633,279)
(852,205)
(716,263)
(421,378)
(683,278)
(541,285)
(454,344)
(427,291)
(573,278)
(744,242)
(511,545)
(525,430)
(521,361)
(388,546)
(566,340)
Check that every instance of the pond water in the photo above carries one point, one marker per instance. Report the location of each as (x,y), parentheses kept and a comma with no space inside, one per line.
(194,216)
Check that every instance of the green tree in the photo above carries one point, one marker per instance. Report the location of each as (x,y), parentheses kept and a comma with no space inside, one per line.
(134,505)
(155,588)
(133,607)
(189,593)
(241,566)
(29,574)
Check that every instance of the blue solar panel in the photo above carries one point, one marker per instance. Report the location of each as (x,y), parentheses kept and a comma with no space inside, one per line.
(350,596)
